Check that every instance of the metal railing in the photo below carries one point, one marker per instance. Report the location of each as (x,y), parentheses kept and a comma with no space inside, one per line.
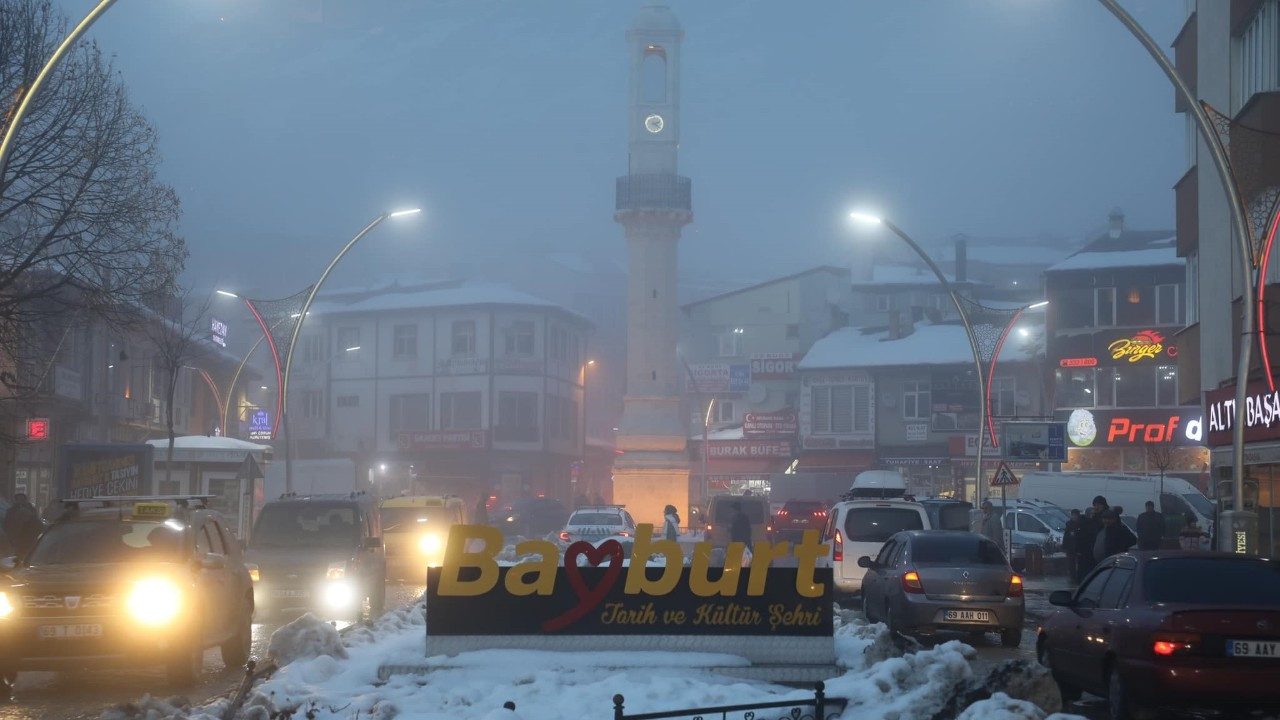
(654,191)
(794,709)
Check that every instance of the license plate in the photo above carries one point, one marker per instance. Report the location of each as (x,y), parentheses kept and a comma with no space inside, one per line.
(967,615)
(79,630)
(797,521)
(292,594)
(1253,648)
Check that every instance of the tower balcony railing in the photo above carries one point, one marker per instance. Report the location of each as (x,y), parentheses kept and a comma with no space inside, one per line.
(654,191)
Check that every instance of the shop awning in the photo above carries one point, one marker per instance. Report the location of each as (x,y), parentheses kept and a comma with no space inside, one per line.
(837,461)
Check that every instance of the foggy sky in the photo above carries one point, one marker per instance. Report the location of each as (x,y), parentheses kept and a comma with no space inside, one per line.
(286,125)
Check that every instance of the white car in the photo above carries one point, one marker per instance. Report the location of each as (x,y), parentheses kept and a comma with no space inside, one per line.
(596,522)
(861,527)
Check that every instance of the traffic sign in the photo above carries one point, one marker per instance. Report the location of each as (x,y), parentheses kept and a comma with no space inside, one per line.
(1004,476)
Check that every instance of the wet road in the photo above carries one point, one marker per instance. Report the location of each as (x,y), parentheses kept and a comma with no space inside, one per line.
(86,694)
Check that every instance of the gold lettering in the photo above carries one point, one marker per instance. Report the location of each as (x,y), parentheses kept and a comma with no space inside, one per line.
(638,578)
(699,581)
(456,557)
(544,569)
(807,553)
(761,557)
(1135,351)
(780,615)
(617,613)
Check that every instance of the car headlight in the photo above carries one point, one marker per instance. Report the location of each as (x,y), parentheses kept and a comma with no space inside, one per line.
(254,575)
(6,607)
(429,543)
(154,601)
(338,595)
(511,518)
(336,571)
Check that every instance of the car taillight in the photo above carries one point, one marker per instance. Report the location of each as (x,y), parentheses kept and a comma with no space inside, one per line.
(1172,644)
(564,536)
(1015,586)
(819,513)
(768,528)
(837,548)
(783,513)
(911,582)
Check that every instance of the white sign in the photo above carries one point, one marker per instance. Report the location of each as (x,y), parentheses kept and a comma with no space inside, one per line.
(219,332)
(971,445)
(917,432)
(1004,476)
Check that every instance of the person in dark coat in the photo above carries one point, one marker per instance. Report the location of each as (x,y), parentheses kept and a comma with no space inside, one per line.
(1071,542)
(22,524)
(1113,538)
(739,526)
(1150,528)
(670,523)
(481,515)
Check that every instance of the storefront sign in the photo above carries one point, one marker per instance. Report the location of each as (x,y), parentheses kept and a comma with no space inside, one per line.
(727,481)
(442,440)
(914,461)
(720,378)
(748,449)
(92,470)
(547,597)
(1078,362)
(1114,347)
(1261,416)
(774,366)
(916,432)
(218,332)
(775,423)
(38,429)
(260,425)
(1181,427)
(1144,345)
(967,446)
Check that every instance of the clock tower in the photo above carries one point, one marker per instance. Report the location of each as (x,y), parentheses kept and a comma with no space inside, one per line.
(653,204)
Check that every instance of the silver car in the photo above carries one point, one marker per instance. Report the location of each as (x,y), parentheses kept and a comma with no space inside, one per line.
(928,580)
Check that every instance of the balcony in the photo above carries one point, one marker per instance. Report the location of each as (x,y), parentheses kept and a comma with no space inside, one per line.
(1187,212)
(654,191)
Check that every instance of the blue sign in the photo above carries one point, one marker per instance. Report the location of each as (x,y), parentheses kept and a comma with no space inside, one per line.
(260,425)
(739,378)
(1035,441)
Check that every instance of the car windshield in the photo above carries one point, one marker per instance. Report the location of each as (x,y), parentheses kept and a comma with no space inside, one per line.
(955,550)
(406,519)
(1051,519)
(108,541)
(1212,581)
(306,525)
(753,510)
(876,524)
(596,519)
(1201,503)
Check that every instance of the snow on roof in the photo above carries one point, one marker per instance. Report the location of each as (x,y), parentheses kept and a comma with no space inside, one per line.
(206,442)
(1017,255)
(1148,257)
(902,275)
(943,344)
(448,296)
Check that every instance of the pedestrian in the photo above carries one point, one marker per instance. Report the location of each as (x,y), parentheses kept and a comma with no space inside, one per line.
(1192,537)
(1071,542)
(739,525)
(670,523)
(1112,538)
(482,510)
(21,524)
(1150,528)
(991,525)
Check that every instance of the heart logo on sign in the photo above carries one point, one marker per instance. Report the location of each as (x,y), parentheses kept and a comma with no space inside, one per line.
(588,598)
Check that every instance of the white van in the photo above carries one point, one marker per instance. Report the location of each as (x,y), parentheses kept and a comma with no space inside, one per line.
(1131,492)
(875,508)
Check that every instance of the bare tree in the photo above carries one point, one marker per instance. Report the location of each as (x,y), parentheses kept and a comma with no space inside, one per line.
(1160,455)
(178,340)
(86,229)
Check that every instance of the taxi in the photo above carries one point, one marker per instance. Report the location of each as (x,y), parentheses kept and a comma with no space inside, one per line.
(127,582)
(415,529)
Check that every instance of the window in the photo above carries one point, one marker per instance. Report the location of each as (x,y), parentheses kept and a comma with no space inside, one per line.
(729,342)
(1004,397)
(460,410)
(313,404)
(877,524)
(1135,386)
(1232,581)
(409,413)
(1105,387)
(1167,385)
(1104,307)
(1116,594)
(559,346)
(464,337)
(1090,595)
(517,417)
(404,342)
(312,349)
(1257,54)
(1074,387)
(723,411)
(884,302)
(348,337)
(916,404)
(1137,306)
(1074,308)
(562,418)
(1167,305)
(348,401)
(841,409)
(1193,287)
(519,338)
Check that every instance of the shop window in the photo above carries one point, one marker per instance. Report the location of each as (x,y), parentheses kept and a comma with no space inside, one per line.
(1167,385)
(1135,386)
(1074,388)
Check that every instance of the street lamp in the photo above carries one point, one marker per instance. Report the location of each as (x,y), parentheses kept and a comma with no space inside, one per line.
(297,328)
(870,219)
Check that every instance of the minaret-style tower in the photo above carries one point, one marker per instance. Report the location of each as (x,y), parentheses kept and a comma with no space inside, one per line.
(653,204)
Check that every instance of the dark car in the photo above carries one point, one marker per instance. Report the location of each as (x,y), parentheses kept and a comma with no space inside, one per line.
(1169,631)
(796,516)
(947,514)
(928,580)
(532,517)
(319,553)
(128,582)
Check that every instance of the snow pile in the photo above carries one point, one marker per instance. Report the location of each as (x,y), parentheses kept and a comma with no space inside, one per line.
(1002,707)
(306,637)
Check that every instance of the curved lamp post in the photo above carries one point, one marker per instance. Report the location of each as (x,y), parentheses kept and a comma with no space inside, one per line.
(15,121)
(980,481)
(1241,523)
(293,339)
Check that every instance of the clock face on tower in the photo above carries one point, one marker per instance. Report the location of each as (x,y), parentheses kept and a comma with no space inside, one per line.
(653,124)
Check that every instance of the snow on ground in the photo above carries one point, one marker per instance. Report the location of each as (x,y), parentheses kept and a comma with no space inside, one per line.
(879,681)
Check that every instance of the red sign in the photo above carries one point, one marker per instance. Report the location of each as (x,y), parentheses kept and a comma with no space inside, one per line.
(442,440)
(1180,427)
(749,449)
(773,366)
(1261,413)
(775,423)
(1144,345)
(1078,362)
(38,429)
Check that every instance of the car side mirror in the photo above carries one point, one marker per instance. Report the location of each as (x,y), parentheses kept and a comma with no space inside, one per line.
(866,562)
(213,561)
(1061,598)
(371,543)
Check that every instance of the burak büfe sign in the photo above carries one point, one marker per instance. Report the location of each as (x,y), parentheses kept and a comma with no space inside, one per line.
(472,595)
